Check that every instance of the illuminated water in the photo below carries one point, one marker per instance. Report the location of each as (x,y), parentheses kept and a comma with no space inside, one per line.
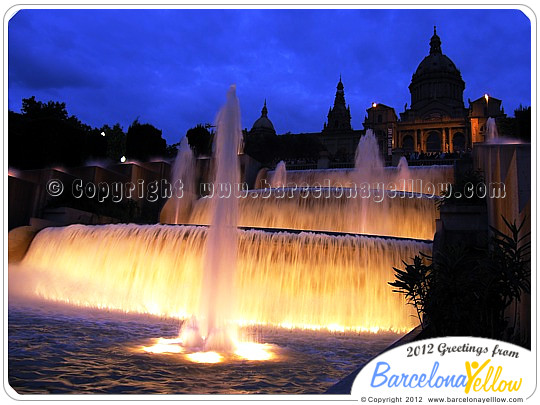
(422,179)
(282,311)
(218,291)
(184,191)
(305,280)
(387,214)
(279,177)
(99,352)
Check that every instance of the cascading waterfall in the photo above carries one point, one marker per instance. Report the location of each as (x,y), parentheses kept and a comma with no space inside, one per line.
(343,204)
(422,179)
(218,277)
(335,210)
(292,280)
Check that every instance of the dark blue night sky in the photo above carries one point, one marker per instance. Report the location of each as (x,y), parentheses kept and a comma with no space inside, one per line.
(172,68)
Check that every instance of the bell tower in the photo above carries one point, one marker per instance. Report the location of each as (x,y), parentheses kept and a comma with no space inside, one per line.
(339,116)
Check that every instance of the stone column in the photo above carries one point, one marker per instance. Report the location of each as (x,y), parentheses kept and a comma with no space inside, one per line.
(443,139)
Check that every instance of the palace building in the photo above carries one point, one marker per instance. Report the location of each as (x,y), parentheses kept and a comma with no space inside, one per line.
(435,121)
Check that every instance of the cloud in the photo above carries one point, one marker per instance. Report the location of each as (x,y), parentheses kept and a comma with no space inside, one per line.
(172,68)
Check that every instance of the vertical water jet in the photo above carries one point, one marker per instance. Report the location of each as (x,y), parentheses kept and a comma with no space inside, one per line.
(403,175)
(178,208)
(217,290)
(491,130)
(279,178)
(368,162)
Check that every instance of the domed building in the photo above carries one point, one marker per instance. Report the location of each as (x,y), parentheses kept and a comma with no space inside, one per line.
(263,125)
(436,120)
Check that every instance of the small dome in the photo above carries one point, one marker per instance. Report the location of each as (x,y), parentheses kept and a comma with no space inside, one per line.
(263,122)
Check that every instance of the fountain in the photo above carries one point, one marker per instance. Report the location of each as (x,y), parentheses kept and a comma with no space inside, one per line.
(368,164)
(299,280)
(279,178)
(404,174)
(217,292)
(178,207)
(492,136)
(369,167)
(304,260)
(491,130)
(327,204)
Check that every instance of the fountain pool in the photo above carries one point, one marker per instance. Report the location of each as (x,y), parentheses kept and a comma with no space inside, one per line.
(210,308)
(100,352)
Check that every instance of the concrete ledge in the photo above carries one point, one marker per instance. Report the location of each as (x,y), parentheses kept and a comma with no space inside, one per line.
(19,240)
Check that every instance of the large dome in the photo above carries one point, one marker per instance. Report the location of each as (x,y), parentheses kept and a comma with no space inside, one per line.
(436,86)
(436,63)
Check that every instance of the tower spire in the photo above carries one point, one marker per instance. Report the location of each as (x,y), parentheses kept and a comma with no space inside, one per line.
(435,43)
(264,111)
(339,116)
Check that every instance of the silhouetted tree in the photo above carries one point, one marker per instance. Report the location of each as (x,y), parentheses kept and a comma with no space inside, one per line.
(518,126)
(172,150)
(144,141)
(33,109)
(45,135)
(200,140)
(523,123)
(116,141)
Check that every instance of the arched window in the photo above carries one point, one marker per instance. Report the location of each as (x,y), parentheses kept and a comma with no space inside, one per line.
(458,142)
(433,142)
(408,143)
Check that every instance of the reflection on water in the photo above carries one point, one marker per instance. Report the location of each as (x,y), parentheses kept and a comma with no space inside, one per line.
(61,349)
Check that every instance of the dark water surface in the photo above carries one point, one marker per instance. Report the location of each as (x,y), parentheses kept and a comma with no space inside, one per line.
(60,349)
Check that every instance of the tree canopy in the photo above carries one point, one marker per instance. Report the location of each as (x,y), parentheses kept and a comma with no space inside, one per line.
(43,134)
(144,141)
(200,140)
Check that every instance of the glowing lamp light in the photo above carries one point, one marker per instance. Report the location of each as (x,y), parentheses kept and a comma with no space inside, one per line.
(205,357)
(123,159)
(103,134)
(486,96)
(374,105)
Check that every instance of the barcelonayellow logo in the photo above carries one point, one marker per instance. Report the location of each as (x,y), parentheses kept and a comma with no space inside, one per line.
(452,367)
